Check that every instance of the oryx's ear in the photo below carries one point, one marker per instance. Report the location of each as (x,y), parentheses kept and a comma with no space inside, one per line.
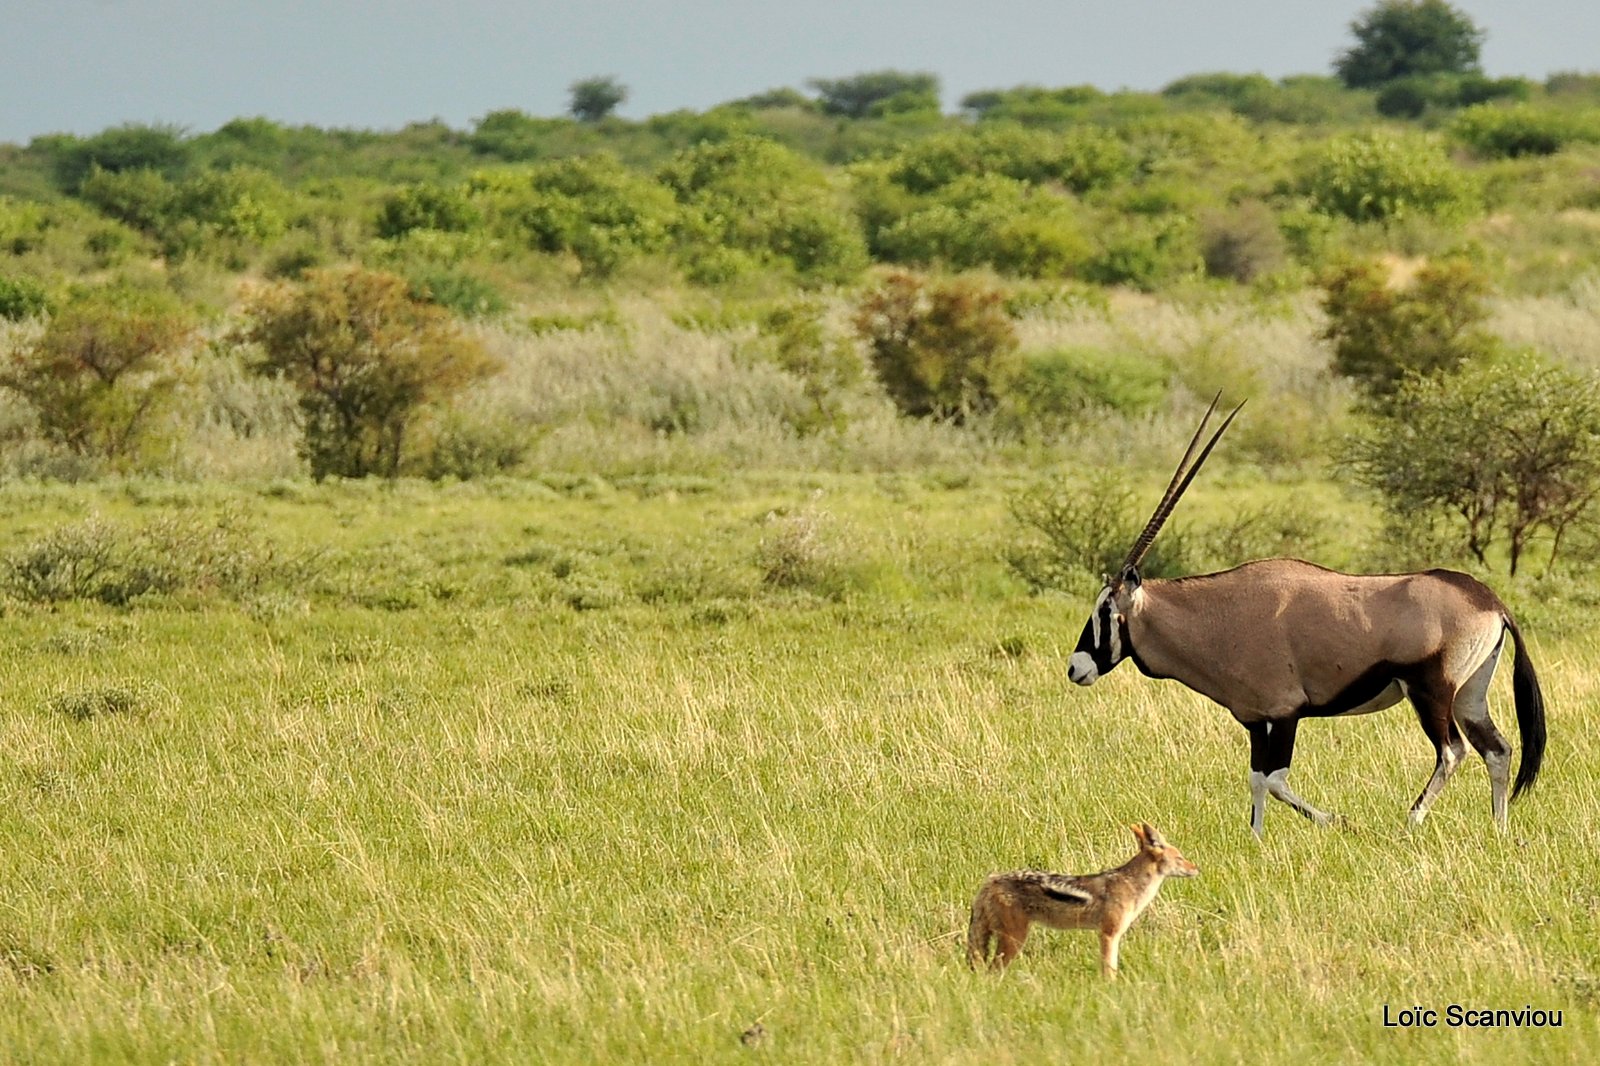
(1130,578)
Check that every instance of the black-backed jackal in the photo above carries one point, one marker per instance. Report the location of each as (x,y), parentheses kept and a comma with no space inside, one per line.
(1009,903)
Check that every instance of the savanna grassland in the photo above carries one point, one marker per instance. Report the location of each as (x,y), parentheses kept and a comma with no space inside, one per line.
(589,590)
(566,771)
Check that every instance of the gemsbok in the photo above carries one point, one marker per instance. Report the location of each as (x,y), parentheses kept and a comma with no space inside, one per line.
(1279,640)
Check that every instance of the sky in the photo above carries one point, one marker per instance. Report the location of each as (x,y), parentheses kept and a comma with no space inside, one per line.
(81,66)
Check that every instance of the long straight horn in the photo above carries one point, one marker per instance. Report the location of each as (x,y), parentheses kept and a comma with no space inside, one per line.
(1180,482)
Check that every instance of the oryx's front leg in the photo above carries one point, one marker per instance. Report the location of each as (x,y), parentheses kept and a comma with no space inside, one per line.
(1271,751)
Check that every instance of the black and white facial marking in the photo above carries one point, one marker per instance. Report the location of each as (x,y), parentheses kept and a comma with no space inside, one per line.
(1103,643)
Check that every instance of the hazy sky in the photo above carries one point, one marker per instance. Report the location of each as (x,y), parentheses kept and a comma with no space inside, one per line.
(80,66)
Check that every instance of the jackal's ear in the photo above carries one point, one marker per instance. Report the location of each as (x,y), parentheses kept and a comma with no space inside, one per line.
(1152,837)
(1138,833)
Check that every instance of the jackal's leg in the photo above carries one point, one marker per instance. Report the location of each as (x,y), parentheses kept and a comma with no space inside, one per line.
(1110,942)
(1271,751)
(1472,715)
(1009,938)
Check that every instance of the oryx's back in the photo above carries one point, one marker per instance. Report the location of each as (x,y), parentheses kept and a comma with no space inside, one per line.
(1282,634)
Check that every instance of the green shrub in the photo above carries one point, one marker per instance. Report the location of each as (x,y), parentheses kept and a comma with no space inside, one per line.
(1504,450)
(592,208)
(1378,177)
(462,292)
(1383,333)
(1081,159)
(1508,132)
(99,374)
(1242,242)
(992,221)
(1145,253)
(752,196)
(427,206)
(22,298)
(466,448)
(828,368)
(369,361)
(940,350)
(1053,388)
(114,564)
(1074,535)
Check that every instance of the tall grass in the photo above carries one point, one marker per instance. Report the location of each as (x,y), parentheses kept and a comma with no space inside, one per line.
(446,810)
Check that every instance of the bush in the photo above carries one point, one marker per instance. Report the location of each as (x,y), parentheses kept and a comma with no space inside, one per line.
(104,562)
(827,368)
(1145,253)
(878,93)
(1383,333)
(993,221)
(753,196)
(1377,177)
(940,350)
(427,206)
(368,360)
(1082,159)
(1503,449)
(98,375)
(1509,132)
(458,291)
(1243,242)
(22,298)
(592,208)
(1054,388)
(1074,535)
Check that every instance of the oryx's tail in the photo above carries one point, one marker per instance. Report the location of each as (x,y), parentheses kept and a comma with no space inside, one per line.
(1530,713)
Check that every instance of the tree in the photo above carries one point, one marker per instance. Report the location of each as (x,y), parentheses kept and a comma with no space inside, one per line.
(1400,38)
(941,351)
(1383,333)
(1503,449)
(878,93)
(368,359)
(95,377)
(595,98)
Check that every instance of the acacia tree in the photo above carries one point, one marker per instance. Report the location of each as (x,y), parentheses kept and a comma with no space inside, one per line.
(877,93)
(1403,38)
(368,360)
(97,375)
(1504,449)
(595,98)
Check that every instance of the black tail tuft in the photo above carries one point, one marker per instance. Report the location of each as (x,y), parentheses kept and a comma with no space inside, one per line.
(1530,714)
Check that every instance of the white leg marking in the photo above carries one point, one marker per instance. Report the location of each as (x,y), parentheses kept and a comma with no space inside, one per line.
(1449,762)
(1278,786)
(1258,802)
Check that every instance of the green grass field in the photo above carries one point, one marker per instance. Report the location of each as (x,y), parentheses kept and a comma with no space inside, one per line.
(576,772)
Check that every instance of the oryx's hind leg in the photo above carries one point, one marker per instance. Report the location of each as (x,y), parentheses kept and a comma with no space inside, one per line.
(1271,751)
(1472,715)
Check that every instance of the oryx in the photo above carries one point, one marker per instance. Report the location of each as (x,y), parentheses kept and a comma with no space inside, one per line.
(1279,640)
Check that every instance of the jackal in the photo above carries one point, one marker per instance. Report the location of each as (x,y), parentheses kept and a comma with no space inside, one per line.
(1009,903)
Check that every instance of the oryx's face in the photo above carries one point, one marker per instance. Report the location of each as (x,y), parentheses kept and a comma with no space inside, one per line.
(1104,642)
